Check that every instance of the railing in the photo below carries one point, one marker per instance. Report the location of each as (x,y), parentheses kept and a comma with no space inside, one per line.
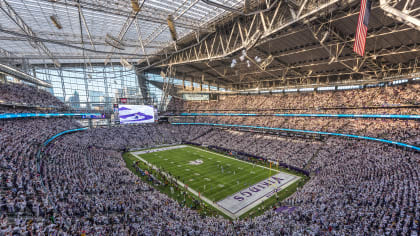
(391,116)
(38,164)
(45,115)
(278,109)
(61,133)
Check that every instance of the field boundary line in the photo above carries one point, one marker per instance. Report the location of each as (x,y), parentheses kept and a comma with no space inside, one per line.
(264,198)
(166,148)
(208,201)
(205,199)
(216,153)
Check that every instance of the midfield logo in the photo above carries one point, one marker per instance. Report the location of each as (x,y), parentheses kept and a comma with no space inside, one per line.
(196,162)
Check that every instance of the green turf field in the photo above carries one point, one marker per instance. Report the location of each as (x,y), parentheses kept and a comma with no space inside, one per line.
(207,177)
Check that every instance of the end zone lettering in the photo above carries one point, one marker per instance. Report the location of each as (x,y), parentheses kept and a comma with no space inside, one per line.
(257,188)
(257,192)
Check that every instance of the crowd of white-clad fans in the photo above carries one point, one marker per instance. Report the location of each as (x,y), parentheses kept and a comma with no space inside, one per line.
(306,102)
(356,187)
(406,131)
(393,129)
(28,95)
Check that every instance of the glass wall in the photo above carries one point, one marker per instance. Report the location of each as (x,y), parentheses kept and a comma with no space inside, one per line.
(94,88)
(156,93)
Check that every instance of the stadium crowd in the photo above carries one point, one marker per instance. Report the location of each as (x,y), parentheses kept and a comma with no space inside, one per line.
(83,186)
(294,152)
(28,95)
(395,98)
(357,187)
(307,102)
(127,137)
(392,129)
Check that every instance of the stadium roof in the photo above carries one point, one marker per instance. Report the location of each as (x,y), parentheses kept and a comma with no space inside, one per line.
(44,31)
(300,43)
(237,44)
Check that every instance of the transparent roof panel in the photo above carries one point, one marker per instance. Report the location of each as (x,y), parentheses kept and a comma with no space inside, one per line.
(100,20)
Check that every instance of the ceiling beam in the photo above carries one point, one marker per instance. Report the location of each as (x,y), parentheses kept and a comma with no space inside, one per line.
(392,51)
(404,15)
(22,75)
(126,26)
(151,14)
(228,41)
(11,13)
(335,43)
(198,70)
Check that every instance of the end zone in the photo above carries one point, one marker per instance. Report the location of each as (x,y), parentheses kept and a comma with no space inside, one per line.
(246,199)
(240,202)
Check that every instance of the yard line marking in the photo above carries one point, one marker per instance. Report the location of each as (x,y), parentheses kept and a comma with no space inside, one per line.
(215,153)
(207,200)
(211,202)
(159,149)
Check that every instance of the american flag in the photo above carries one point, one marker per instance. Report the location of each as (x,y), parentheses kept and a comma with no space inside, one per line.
(362,24)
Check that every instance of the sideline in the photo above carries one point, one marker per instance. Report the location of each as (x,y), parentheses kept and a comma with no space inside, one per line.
(225,156)
(210,202)
(166,148)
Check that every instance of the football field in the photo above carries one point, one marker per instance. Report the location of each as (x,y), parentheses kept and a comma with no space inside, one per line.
(229,184)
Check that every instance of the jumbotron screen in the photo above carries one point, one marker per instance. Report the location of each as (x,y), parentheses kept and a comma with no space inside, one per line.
(136,114)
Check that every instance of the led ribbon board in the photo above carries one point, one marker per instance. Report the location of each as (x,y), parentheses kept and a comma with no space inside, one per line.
(46,115)
(61,133)
(309,115)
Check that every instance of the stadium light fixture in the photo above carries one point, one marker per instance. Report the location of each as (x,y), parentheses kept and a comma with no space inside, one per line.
(126,64)
(242,57)
(218,5)
(267,61)
(171,25)
(247,6)
(135,5)
(56,22)
(233,64)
